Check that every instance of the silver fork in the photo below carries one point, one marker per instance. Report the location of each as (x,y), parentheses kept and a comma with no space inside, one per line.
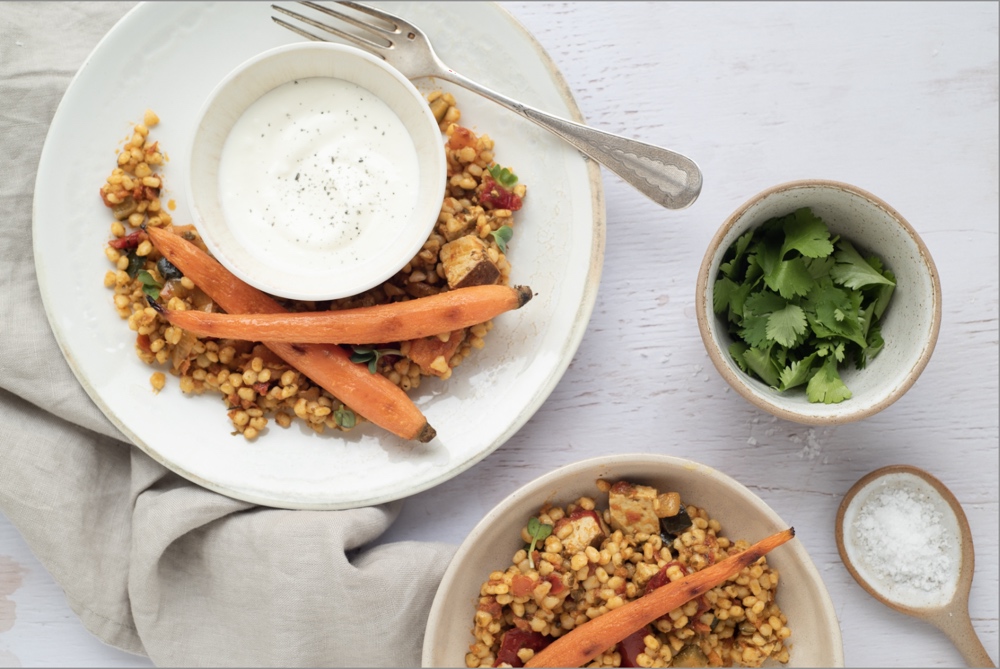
(668,178)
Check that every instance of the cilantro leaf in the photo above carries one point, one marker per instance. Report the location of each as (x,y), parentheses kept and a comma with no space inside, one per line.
(852,270)
(503,176)
(722,293)
(883,293)
(757,309)
(538,531)
(806,233)
(818,267)
(800,303)
(738,248)
(789,278)
(826,386)
(797,372)
(371,356)
(875,346)
(502,235)
(345,418)
(736,351)
(786,325)
(135,263)
(149,285)
(759,360)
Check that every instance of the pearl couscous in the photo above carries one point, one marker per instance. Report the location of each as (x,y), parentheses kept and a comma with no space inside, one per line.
(579,562)
(477,213)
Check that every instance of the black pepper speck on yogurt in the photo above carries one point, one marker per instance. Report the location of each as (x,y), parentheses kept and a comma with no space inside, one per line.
(308,183)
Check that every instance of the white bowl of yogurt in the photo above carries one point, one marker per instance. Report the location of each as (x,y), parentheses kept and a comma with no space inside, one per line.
(317,171)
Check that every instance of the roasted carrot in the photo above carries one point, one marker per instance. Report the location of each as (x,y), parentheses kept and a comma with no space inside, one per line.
(371,395)
(590,639)
(380,324)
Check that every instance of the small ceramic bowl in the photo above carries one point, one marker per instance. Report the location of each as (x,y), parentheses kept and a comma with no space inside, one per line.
(492,543)
(909,325)
(371,198)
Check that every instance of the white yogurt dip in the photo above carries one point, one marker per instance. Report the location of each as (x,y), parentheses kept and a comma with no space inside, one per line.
(318,172)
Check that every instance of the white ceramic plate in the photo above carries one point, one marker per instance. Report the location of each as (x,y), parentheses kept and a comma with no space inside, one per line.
(168,57)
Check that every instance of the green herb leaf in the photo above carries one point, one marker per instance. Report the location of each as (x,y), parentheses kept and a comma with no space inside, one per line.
(797,373)
(503,176)
(345,418)
(786,325)
(800,301)
(807,234)
(364,354)
(826,385)
(875,346)
(135,263)
(854,271)
(722,293)
(738,248)
(790,278)
(537,530)
(883,294)
(818,267)
(502,235)
(149,285)
(736,350)
(759,360)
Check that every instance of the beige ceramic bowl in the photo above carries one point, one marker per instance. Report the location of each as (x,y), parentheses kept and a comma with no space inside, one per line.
(491,544)
(909,325)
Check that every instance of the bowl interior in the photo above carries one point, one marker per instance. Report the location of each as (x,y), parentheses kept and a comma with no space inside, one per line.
(909,325)
(491,544)
(312,278)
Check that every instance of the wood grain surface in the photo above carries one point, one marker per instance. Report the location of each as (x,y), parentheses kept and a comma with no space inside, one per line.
(898,98)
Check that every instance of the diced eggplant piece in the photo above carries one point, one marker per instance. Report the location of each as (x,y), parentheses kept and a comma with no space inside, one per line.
(674,526)
(467,263)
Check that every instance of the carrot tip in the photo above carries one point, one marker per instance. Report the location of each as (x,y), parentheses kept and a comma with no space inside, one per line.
(426,433)
(524,295)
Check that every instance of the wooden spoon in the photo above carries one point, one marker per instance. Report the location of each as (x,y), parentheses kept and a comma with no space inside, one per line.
(948,610)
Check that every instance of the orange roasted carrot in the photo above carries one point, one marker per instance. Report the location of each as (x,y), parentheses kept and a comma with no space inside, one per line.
(372,395)
(590,639)
(379,324)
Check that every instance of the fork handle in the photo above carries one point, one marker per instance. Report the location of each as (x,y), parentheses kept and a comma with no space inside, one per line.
(668,178)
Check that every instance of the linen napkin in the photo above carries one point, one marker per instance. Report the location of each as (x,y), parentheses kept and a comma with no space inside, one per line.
(152,563)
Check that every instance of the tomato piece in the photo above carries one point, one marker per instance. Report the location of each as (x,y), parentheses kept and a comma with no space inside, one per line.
(128,241)
(516,639)
(495,196)
(521,585)
(461,138)
(631,646)
(557,584)
(660,578)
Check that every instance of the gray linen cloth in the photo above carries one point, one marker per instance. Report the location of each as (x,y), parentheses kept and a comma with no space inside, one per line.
(151,563)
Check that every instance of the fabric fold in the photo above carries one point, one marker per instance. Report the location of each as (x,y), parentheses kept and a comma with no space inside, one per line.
(152,563)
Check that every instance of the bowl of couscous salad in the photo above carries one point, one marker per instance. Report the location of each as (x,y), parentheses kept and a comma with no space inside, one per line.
(593,537)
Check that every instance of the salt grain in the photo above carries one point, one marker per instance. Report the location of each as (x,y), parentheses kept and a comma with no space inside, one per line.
(902,539)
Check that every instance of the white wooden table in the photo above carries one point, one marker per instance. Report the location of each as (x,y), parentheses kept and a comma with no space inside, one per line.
(898,98)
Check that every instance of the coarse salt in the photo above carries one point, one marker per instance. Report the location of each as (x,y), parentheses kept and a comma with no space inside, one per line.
(903,541)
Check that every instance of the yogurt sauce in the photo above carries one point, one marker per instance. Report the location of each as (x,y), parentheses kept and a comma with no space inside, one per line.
(318,171)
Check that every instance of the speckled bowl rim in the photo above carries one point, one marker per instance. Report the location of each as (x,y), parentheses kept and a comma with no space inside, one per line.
(726,367)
